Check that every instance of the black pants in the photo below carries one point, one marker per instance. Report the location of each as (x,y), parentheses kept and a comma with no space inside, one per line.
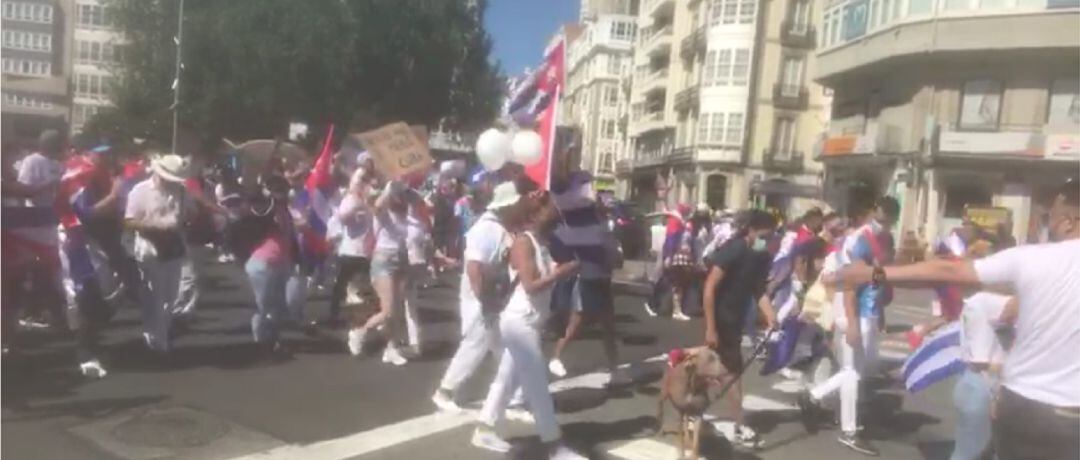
(1030,430)
(348,268)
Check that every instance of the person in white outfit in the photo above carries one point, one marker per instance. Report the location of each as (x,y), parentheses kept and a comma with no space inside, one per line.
(533,273)
(157,209)
(487,245)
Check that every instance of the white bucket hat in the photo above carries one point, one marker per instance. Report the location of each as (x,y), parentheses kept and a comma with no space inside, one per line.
(505,194)
(171,167)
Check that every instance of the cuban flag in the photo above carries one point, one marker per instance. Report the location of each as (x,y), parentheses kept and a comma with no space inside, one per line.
(937,359)
(535,101)
(314,203)
(81,187)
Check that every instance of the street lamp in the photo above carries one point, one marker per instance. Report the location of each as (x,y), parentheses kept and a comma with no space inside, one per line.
(179,40)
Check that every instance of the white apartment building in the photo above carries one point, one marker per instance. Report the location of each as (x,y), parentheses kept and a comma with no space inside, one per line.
(94,52)
(594,101)
(690,93)
(35,68)
(951,104)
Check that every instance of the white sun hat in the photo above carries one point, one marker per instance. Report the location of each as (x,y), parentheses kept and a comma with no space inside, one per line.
(171,167)
(505,194)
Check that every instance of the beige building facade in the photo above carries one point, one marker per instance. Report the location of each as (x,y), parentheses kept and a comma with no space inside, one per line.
(933,104)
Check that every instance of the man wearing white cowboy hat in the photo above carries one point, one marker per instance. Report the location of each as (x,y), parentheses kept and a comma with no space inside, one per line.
(487,244)
(157,209)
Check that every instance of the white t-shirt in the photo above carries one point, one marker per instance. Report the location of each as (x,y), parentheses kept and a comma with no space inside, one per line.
(1042,364)
(355,222)
(36,170)
(148,202)
(487,242)
(978,339)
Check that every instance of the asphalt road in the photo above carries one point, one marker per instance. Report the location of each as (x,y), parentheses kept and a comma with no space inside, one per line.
(214,399)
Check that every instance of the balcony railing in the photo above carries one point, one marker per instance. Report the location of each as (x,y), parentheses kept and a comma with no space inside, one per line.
(659,42)
(798,35)
(783,160)
(687,98)
(693,43)
(791,97)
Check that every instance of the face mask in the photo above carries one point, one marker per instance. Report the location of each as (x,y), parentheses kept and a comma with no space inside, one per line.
(759,245)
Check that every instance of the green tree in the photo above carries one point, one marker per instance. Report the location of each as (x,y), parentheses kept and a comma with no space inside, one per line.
(252,66)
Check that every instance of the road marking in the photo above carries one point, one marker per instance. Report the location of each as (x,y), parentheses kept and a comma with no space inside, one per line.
(366,442)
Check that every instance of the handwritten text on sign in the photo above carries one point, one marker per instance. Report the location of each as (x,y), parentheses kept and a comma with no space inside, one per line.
(397,150)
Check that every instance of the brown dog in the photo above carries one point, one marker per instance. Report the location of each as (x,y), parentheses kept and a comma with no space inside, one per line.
(686,382)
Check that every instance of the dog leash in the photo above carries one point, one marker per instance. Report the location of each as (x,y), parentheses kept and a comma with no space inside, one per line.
(753,355)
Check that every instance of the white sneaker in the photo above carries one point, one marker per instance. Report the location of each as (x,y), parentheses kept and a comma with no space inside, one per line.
(485,438)
(564,453)
(93,369)
(678,314)
(356,341)
(393,356)
(444,400)
(557,368)
(520,415)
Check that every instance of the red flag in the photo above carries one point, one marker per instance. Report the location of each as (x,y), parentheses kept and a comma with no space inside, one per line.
(320,175)
(550,83)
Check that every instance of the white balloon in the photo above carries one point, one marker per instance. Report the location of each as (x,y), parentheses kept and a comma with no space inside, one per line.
(527,148)
(493,149)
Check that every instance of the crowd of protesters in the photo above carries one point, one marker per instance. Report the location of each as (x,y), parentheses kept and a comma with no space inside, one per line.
(92,228)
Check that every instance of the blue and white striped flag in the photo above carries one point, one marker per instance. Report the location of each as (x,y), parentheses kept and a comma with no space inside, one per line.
(937,359)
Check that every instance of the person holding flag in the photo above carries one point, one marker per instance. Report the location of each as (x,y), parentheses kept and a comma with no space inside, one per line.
(857,312)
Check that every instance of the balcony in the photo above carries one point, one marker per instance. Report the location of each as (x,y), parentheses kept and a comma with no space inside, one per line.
(707,153)
(790,97)
(655,82)
(658,8)
(693,43)
(798,35)
(659,43)
(783,161)
(687,98)
(651,121)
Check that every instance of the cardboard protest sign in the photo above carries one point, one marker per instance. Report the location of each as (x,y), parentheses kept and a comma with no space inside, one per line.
(397,150)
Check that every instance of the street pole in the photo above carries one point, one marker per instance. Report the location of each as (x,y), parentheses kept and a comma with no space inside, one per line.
(176,80)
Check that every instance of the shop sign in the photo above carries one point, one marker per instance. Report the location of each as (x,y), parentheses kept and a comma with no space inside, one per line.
(846,145)
(989,217)
(1023,144)
(1063,146)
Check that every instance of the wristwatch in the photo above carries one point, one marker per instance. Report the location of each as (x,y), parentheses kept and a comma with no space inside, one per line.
(878,277)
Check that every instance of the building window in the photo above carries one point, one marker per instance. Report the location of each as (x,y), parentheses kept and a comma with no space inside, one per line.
(611,96)
(740,70)
(1064,102)
(784,137)
(29,41)
(723,68)
(28,12)
(91,16)
(959,197)
(607,129)
(734,133)
(980,105)
(800,16)
(621,30)
(791,76)
(27,67)
(733,11)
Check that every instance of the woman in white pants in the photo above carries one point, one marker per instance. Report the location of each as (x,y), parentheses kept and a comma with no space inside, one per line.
(532,274)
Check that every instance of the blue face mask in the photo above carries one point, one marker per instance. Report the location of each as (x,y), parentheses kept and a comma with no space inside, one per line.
(759,244)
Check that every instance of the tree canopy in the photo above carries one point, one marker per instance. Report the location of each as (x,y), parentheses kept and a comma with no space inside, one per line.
(252,66)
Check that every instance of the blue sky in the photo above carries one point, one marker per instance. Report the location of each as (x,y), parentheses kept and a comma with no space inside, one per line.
(521,29)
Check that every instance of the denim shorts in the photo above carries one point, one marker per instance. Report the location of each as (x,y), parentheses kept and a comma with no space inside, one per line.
(387,263)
